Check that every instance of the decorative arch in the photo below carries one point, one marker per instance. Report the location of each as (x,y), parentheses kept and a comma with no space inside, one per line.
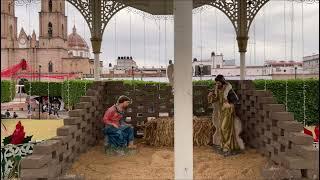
(108,9)
(237,14)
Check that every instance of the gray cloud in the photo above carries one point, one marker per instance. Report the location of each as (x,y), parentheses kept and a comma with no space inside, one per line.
(148,53)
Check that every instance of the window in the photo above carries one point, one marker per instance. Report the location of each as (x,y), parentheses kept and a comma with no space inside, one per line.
(9,8)
(24,64)
(218,66)
(50,5)
(50,30)
(50,67)
(10,32)
(62,31)
(60,7)
(81,54)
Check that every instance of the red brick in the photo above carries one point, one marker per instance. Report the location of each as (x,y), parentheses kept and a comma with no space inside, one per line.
(299,138)
(46,147)
(66,130)
(35,161)
(72,120)
(91,92)
(282,116)
(76,113)
(274,107)
(290,126)
(82,105)
(307,152)
(63,139)
(266,100)
(296,162)
(51,170)
(262,93)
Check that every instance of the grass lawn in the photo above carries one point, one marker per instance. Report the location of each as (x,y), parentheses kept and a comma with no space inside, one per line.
(40,129)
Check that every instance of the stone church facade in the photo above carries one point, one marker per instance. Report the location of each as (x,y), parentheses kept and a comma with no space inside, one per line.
(54,50)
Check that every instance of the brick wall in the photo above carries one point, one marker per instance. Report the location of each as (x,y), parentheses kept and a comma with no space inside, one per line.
(267,127)
(82,129)
(271,130)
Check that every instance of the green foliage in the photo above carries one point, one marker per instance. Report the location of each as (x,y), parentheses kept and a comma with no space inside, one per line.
(7,140)
(41,88)
(295,97)
(8,91)
(139,83)
(73,90)
(27,139)
(209,83)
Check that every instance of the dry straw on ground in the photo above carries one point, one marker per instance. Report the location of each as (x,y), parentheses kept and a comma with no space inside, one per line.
(160,132)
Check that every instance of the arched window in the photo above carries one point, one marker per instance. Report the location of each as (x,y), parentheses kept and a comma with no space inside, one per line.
(50,67)
(9,7)
(60,7)
(50,30)
(50,5)
(23,64)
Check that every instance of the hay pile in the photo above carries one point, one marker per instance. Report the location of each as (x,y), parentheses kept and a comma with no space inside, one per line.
(160,132)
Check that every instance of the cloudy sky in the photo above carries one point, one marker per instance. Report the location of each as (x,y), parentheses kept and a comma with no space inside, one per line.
(152,40)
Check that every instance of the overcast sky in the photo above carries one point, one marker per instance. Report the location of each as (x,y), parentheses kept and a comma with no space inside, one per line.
(214,33)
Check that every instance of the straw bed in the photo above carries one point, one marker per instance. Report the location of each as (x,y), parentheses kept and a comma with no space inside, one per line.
(160,132)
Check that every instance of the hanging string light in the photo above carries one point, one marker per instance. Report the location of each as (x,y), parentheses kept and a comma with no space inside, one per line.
(285,30)
(159,47)
(264,43)
(201,65)
(254,44)
(30,84)
(115,36)
(144,40)
(165,40)
(216,21)
(130,32)
(302,48)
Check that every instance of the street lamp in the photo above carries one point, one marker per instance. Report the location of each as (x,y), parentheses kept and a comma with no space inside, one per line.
(132,72)
(39,81)
(39,72)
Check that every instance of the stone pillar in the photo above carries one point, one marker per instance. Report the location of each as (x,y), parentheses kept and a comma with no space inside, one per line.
(242,44)
(242,36)
(96,46)
(183,140)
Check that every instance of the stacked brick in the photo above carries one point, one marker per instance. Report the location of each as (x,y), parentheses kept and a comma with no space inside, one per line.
(270,129)
(149,101)
(82,129)
(266,126)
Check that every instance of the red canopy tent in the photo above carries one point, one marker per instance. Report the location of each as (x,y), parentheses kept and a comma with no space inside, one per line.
(23,66)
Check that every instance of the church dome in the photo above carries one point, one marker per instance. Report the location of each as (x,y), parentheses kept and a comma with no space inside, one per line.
(76,42)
